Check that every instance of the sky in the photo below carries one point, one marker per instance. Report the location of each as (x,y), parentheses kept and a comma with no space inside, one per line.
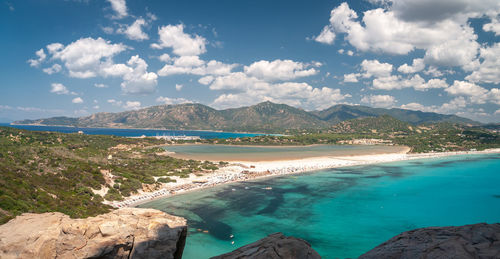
(79,57)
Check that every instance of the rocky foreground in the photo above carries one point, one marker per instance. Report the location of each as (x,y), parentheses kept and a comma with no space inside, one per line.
(470,241)
(274,246)
(123,233)
(148,233)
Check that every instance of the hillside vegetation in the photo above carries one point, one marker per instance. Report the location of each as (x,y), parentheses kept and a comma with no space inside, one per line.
(431,137)
(43,171)
(263,117)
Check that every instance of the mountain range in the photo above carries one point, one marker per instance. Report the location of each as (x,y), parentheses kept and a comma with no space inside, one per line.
(262,117)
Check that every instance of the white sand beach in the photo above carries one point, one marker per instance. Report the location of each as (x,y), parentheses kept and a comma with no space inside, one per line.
(244,171)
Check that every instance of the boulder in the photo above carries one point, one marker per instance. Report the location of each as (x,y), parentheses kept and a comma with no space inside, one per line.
(123,233)
(274,246)
(470,241)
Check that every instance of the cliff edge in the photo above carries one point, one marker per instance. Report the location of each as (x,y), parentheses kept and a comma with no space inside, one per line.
(123,233)
(470,241)
(276,246)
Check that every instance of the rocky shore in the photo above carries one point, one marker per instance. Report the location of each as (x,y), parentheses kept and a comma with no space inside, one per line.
(123,233)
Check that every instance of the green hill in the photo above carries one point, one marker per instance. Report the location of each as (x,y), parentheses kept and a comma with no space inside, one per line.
(262,117)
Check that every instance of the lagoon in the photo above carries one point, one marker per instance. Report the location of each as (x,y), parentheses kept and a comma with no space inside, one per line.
(271,153)
(342,212)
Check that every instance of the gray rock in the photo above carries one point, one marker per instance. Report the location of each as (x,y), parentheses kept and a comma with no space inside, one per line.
(274,246)
(123,233)
(470,241)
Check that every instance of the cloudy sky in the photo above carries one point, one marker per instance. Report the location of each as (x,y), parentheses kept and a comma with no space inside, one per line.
(75,58)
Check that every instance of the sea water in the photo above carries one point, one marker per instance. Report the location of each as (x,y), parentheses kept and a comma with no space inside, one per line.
(134,132)
(341,212)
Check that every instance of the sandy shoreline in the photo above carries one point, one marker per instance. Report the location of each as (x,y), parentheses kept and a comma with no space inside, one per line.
(245,171)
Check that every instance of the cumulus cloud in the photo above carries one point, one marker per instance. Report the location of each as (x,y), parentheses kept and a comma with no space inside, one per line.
(120,8)
(132,105)
(41,57)
(351,78)
(250,90)
(56,68)
(77,100)
(440,28)
(182,44)
(58,88)
(381,101)
(280,70)
(375,68)
(139,80)
(488,71)
(195,66)
(178,87)
(417,66)
(169,101)
(135,30)
(327,36)
(86,57)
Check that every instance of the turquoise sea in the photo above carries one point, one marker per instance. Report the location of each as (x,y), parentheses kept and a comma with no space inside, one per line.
(342,212)
(134,132)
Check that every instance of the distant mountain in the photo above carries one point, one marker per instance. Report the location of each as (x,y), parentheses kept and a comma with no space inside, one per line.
(342,112)
(265,117)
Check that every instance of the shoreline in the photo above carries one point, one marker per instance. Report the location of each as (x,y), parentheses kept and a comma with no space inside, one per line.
(131,128)
(248,171)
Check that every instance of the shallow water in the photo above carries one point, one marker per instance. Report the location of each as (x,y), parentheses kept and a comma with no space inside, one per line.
(270,153)
(342,212)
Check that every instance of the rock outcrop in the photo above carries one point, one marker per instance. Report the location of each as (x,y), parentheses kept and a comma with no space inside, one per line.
(123,233)
(274,246)
(469,241)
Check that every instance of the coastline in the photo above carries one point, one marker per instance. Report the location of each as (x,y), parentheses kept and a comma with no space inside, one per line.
(132,128)
(246,171)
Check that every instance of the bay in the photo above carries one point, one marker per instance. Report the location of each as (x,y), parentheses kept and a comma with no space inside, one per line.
(342,212)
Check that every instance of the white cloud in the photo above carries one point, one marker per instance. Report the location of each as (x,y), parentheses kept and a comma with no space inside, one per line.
(77,100)
(465,88)
(139,81)
(115,102)
(350,53)
(41,57)
(182,44)
(56,68)
(134,31)
(96,107)
(132,105)
(432,84)
(351,78)
(375,68)
(327,36)
(250,90)
(206,80)
(178,87)
(440,28)
(169,101)
(101,85)
(417,66)
(387,83)
(120,8)
(195,66)
(488,71)
(382,101)
(165,58)
(280,70)
(86,57)
(58,88)
(493,26)
(497,112)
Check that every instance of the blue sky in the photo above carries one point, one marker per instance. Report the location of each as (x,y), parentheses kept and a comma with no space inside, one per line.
(75,58)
